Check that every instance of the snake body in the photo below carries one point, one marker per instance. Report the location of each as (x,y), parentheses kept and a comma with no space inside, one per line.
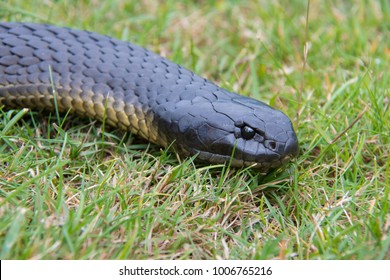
(43,66)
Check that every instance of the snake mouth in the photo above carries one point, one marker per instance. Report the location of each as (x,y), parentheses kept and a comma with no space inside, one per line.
(275,154)
(265,166)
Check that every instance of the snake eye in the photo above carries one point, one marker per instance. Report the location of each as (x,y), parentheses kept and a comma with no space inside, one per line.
(247,132)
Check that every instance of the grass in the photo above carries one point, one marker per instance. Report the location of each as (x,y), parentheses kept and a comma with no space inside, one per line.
(73,189)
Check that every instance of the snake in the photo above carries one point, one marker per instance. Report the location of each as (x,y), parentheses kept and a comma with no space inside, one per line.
(46,68)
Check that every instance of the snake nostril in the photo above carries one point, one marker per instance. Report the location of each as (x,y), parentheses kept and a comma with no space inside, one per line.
(271,145)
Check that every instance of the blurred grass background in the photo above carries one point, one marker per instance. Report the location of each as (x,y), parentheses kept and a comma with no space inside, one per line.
(72,189)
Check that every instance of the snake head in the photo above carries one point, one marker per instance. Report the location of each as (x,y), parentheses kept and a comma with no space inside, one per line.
(239,130)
